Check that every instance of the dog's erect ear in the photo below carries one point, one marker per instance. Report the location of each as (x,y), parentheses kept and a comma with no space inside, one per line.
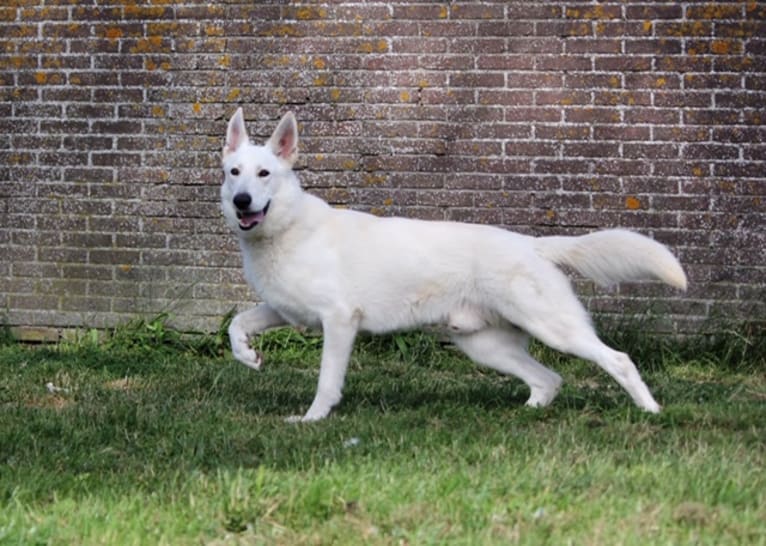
(236,135)
(284,141)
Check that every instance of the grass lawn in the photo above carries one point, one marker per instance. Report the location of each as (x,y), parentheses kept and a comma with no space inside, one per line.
(151,442)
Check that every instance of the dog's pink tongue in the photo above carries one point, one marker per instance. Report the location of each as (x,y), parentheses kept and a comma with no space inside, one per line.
(249,220)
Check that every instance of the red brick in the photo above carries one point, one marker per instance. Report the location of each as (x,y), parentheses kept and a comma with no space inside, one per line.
(654,11)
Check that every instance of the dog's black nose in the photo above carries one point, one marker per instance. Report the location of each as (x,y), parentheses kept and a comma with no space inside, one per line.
(242,201)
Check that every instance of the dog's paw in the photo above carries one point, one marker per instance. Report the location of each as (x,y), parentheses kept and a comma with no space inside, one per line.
(308,418)
(542,395)
(651,407)
(240,348)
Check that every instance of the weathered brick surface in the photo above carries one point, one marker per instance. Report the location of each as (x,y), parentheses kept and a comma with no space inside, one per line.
(544,117)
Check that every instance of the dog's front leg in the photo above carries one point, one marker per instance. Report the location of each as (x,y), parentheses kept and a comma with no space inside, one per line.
(253,321)
(339,334)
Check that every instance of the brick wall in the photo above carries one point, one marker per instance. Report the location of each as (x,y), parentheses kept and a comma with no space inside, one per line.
(545,117)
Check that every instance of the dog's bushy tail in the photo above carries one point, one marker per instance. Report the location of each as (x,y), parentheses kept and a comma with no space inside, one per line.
(614,255)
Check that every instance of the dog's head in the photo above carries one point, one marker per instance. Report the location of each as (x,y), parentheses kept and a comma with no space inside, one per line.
(256,178)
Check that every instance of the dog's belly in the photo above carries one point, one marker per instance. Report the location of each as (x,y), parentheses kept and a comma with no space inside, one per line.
(454,315)
(298,317)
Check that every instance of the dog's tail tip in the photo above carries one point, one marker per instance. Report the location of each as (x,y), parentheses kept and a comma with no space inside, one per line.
(676,277)
(615,255)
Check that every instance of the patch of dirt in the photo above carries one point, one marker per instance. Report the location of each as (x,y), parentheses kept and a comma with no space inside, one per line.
(123,384)
(51,401)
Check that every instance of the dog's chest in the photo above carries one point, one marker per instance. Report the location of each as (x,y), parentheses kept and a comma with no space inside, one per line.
(281,286)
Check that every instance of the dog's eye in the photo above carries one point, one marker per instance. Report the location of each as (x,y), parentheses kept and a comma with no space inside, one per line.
(263,173)
(234,171)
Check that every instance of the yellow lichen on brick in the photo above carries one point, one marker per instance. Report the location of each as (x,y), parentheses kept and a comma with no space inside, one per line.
(596,12)
(697,171)
(334,94)
(233,94)
(319,64)
(41,78)
(443,12)
(320,81)
(550,214)
(365,47)
(715,10)
(196,107)
(660,82)
(18,158)
(632,203)
(309,12)
(281,30)
(720,47)
(697,28)
(381,46)
(648,26)
(113,33)
(163,28)
(144,12)
(158,111)
(213,30)
(338,195)
(388,202)
(224,61)
(404,96)
(149,45)
(373,179)
(26,13)
(615,81)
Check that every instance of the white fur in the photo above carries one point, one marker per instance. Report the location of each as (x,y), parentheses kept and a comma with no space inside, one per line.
(345,271)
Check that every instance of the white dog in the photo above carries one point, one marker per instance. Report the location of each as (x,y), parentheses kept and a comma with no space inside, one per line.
(344,271)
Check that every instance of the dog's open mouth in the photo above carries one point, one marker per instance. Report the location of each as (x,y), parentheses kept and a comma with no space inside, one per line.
(248,220)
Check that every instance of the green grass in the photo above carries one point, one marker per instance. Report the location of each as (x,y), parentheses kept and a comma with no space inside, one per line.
(157,439)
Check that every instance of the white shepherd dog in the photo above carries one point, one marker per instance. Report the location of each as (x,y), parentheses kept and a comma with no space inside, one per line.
(344,271)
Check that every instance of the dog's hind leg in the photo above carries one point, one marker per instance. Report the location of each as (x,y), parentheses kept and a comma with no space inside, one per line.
(557,318)
(505,350)
(617,364)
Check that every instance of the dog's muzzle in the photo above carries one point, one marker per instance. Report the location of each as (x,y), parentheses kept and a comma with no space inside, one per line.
(248,219)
